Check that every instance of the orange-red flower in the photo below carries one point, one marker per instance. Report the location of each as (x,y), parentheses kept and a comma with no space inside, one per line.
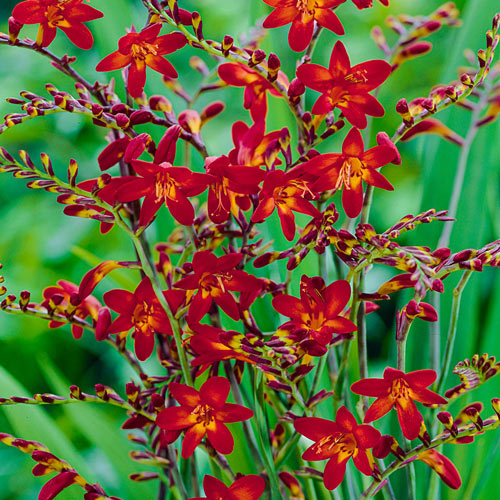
(344,87)
(68,302)
(399,390)
(226,183)
(142,311)
(213,280)
(161,183)
(302,14)
(315,317)
(288,192)
(140,50)
(256,87)
(338,442)
(203,413)
(349,169)
(443,466)
(245,488)
(67,15)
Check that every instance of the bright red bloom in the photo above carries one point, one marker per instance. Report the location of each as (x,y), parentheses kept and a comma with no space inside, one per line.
(338,442)
(227,181)
(161,183)
(245,488)
(349,168)
(345,87)
(142,311)
(69,303)
(140,50)
(399,390)
(302,14)
(315,317)
(289,192)
(365,4)
(203,413)
(213,280)
(256,87)
(67,15)
(251,143)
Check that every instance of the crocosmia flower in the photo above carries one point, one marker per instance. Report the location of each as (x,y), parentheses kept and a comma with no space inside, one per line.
(315,317)
(67,15)
(348,170)
(213,280)
(288,192)
(256,87)
(337,442)
(203,413)
(365,4)
(399,390)
(142,311)
(302,14)
(245,488)
(344,87)
(67,302)
(140,50)
(163,184)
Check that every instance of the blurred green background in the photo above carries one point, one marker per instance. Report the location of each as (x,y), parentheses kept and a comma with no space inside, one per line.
(39,245)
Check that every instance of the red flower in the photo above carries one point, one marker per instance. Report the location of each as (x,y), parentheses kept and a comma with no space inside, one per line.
(256,87)
(69,303)
(67,15)
(251,143)
(302,14)
(365,4)
(140,50)
(161,183)
(315,317)
(212,280)
(245,488)
(338,442)
(289,192)
(203,413)
(349,168)
(344,87)
(399,390)
(227,182)
(142,311)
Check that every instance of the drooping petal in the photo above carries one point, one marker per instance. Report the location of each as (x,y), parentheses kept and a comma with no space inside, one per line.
(409,418)
(287,220)
(144,344)
(193,437)
(335,471)
(301,32)
(136,78)
(80,35)
(376,179)
(366,436)
(161,65)
(220,437)
(352,199)
(362,462)
(378,409)
(214,488)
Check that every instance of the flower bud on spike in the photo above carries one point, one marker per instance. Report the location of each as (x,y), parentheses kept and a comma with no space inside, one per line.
(212,110)
(424,435)
(476,419)
(495,402)
(496,22)
(447,420)
(76,393)
(481,57)
(101,392)
(47,164)
(24,299)
(160,103)
(197,24)
(257,57)
(72,172)
(158,402)
(403,109)
(273,67)
(227,44)
(14,29)
(466,80)
(132,392)
(103,323)
(8,301)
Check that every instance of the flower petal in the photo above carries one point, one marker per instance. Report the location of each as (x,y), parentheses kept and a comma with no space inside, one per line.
(192,439)
(215,391)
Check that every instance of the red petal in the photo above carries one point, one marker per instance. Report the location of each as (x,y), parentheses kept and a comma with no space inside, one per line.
(214,488)
(341,325)
(149,209)
(227,303)
(377,156)
(322,106)
(48,34)
(29,12)
(336,295)
(231,413)
(80,35)
(115,60)
(366,436)
(315,77)
(144,344)
(170,43)
(161,65)
(373,387)
(237,75)
(334,471)
(375,72)
(165,152)
(428,397)
(376,179)
(175,418)
(409,418)
(378,409)
(353,114)
(362,462)
(289,306)
(58,483)
(121,301)
(352,199)
(150,34)
(279,17)
(339,61)
(345,419)
(181,209)
(184,394)
(263,210)
(301,32)
(249,487)
(353,143)
(421,378)
(215,391)
(220,437)
(192,439)
(258,109)
(287,220)
(329,20)
(315,428)
(136,78)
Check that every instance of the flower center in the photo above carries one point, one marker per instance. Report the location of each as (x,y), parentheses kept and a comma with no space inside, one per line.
(143,314)
(400,389)
(55,16)
(357,77)
(143,49)
(351,167)
(209,281)
(306,6)
(203,414)
(295,188)
(165,187)
(342,444)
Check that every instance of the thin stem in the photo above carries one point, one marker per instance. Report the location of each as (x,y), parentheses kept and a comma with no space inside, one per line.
(452,329)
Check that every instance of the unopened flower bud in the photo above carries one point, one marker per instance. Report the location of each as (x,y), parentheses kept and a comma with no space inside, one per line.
(227,44)
(160,103)
(190,121)
(447,420)
(14,29)
(257,57)
(197,24)
(495,402)
(273,67)
(212,110)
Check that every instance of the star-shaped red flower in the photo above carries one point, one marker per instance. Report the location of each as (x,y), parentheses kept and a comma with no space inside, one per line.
(344,87)
(67,15)
(349,169)
(337,442)
(203,413)
(245,488)
(140,50)
(399,390)
(302,14)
